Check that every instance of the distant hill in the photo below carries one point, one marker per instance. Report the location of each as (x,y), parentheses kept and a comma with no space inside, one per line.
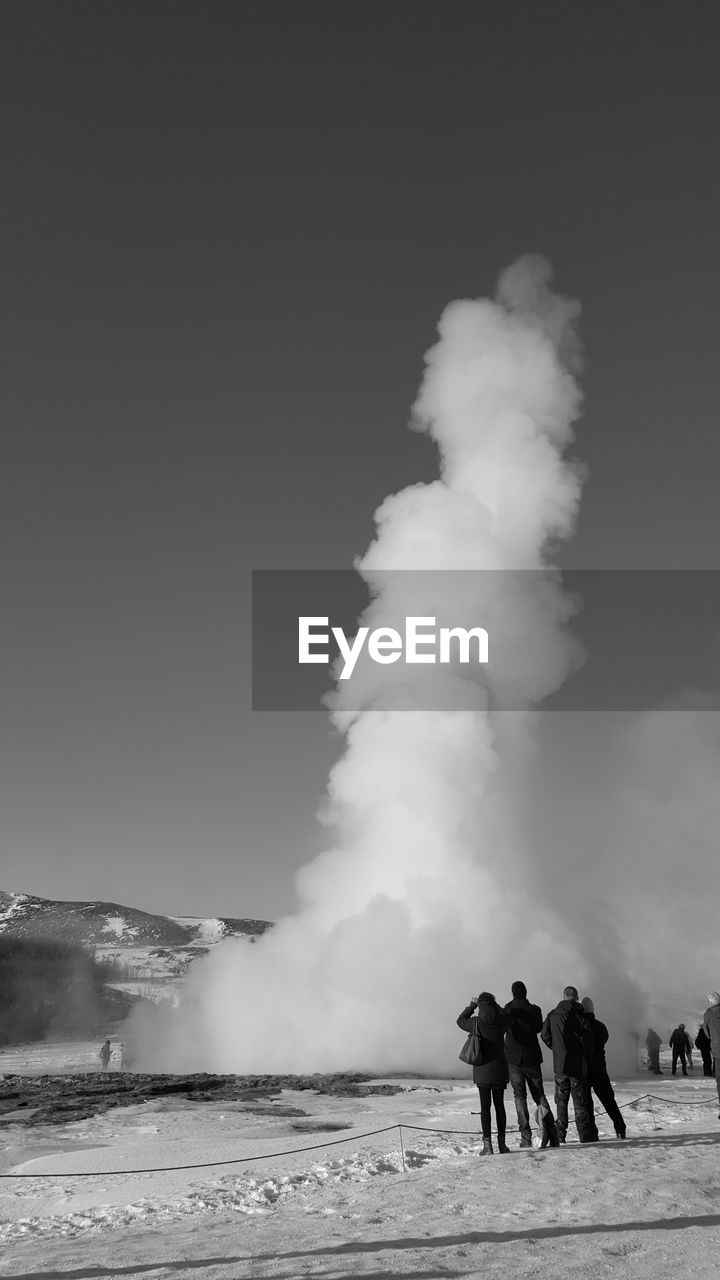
(161,945)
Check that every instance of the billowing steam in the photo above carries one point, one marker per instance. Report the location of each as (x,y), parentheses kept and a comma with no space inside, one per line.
(640,814)
(433,887)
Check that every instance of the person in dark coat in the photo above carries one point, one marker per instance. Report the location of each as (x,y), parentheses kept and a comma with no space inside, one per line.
(702,1042)
(490,1023)
(679,1042)
(711,1023)
(652,1044)
(524,1057)
(598,1077)
(567,1031)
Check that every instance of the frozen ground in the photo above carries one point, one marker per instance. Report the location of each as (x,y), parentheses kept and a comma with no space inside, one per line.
(646,1207)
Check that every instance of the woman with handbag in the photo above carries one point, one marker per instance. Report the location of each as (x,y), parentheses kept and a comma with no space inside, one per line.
(487,1056)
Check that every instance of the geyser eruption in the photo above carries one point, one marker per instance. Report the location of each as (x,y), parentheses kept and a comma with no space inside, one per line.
(432,888)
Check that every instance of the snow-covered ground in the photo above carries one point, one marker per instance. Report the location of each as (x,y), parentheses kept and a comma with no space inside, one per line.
(49,1057)
(159,964)
(164,989)
(645,1207)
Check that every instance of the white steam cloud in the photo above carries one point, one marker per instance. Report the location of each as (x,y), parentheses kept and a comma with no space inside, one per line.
(433,886)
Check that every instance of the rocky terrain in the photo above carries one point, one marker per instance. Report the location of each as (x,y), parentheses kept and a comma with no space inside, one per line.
(36,1100)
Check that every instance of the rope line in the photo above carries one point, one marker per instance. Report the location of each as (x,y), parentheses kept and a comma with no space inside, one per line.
(680,1102)
(206,1164)
(321,1146)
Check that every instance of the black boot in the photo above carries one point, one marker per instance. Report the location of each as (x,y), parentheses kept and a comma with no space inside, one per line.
(502,1146)
(551,1130)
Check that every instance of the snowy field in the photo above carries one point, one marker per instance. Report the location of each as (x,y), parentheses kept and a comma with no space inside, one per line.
(649,1206)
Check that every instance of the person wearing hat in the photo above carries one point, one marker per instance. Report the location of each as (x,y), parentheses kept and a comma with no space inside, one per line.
(598,1078)
(679,1042)
(524,1057)
(711,1023)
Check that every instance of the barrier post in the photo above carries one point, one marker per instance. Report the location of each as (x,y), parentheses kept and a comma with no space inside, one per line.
(402,1149)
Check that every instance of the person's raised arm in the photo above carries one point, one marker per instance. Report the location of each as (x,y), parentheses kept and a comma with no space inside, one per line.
(464,1020)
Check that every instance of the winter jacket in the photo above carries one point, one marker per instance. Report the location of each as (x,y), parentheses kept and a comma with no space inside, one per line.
(521,1038)
(711,1023)
(680,1041)
(652,1039)
(567,1031)
(597,1065)
(490,1022)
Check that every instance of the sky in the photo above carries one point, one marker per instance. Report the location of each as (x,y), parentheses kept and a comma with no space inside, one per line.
(229,233)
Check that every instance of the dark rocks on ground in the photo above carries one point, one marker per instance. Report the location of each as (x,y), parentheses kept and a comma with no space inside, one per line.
(60,1099)
(320,1126)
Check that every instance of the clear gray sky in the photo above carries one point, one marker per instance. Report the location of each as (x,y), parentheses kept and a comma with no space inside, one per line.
(229,230)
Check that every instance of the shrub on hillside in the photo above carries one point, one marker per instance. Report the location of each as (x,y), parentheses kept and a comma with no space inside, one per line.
(48,987)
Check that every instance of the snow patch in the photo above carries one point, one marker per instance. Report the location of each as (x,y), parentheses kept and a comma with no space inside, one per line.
(13,906)
(209,931)
(116,925)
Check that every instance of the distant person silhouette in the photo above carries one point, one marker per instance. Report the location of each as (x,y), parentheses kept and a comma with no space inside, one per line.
(679,1042)
(702,1042)
(598,1077)
(652,1044)
(711,1023)
(105,1055)
(567,1031)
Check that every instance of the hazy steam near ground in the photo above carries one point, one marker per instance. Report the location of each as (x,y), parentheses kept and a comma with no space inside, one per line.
(434,887)
(640,814)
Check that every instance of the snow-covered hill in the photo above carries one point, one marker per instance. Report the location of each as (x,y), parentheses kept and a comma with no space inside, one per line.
(142,946)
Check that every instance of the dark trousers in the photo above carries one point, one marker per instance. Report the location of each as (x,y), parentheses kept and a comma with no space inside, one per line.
(522,1079)
(601,1085)
(582,1106)
(492,1096)
(707,1062)
(654,1060)
(678,1053)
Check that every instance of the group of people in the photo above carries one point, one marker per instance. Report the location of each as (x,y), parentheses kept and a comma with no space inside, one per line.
(707,1041)
(510,1053)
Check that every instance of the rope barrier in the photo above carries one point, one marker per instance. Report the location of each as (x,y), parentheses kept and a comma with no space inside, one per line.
(321,1146)
(206,1164)
(680,1102)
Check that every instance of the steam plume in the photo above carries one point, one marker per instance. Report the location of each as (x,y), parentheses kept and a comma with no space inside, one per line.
(431,889)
